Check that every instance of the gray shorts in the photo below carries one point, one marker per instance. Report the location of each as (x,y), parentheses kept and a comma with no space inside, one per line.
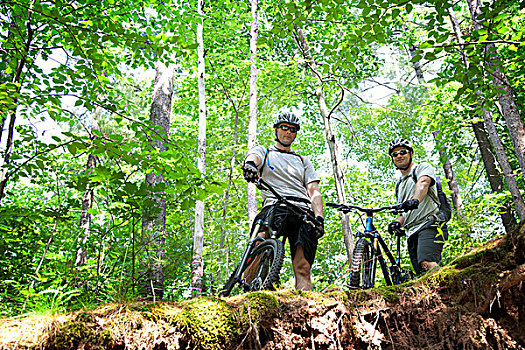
(426,245)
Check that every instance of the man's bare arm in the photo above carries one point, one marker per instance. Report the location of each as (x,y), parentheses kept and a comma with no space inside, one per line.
(316,197)
(422,186)
(253,158)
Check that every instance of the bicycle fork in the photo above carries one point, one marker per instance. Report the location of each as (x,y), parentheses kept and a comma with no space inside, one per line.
(371,232)
(398,261)
(253,240)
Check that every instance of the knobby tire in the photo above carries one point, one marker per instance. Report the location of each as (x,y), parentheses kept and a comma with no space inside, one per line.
(361,274)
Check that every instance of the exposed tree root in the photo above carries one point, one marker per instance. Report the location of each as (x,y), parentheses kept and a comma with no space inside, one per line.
(515,277)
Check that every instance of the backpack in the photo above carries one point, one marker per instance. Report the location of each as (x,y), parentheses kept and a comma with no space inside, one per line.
(444,213)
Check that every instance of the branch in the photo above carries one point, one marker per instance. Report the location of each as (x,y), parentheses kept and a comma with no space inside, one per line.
(485,42)
(36,155)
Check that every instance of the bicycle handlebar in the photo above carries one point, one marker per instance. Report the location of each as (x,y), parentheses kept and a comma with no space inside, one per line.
(346,208)
(307,217)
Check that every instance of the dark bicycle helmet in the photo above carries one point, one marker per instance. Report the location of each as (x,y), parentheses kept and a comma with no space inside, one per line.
(399,142)
(287,117)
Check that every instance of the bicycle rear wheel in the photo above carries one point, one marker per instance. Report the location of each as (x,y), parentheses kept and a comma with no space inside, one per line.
(361,274)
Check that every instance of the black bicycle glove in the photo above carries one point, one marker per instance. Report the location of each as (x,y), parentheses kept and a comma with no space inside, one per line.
(410,204)
(393,227)
(320,227)
(249,170)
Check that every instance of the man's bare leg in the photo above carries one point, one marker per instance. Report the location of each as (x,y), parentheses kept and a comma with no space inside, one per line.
(429,266)
(301,270)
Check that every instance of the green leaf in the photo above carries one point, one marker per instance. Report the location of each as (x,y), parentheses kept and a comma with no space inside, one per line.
(72,149)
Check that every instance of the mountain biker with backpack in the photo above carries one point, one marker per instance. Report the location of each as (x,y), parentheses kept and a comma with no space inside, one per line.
(419,189)
(294,177)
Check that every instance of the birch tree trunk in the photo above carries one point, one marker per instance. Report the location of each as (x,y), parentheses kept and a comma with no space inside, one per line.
(493,175)
(85,216)
(416,64)
(226,200)
(151,279)
(505,165)
(197,265)
(457,201)
(227,193)
(7,77)
(252,115)
(509,108)
(87,200)
(330,139)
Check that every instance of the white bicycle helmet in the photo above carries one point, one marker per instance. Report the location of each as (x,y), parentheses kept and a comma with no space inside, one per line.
(399,142)
(287,117)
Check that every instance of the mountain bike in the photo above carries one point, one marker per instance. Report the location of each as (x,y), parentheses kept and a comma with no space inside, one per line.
(371,249)
(262,260)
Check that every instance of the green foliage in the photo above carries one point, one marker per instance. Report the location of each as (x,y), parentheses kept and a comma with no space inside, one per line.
(85,65)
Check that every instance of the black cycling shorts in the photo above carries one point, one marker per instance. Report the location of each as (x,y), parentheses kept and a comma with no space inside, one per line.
(289,225)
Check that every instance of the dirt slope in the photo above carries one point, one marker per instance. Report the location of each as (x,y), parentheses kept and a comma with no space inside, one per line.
(476,302)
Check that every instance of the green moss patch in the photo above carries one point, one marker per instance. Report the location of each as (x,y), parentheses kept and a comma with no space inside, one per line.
(391,294)
(257,306)
(208,321)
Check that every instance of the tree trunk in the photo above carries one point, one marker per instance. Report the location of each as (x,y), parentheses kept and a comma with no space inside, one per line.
(505,165)
(330,139)
(35,275)
(197,266)
(457,201)
(416,64)
(85,216)
(151,281)
(493,174)
(227,197)
(506,99)
(10,43)
(16,79)
(252,115)
(87,200)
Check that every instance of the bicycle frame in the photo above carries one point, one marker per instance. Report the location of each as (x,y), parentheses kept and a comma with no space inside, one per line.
(392,273)
(377,243)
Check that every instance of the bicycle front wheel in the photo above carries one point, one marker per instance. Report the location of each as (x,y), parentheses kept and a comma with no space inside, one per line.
(361,274)
(263,266)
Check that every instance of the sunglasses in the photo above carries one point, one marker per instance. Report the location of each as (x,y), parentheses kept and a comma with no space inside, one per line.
(399,153)
(292,129)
